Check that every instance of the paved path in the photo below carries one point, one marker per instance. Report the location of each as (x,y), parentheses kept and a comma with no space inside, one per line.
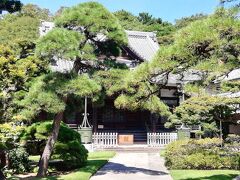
(134,166)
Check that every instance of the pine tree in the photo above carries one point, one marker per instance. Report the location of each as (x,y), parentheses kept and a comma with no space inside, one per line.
(83,33)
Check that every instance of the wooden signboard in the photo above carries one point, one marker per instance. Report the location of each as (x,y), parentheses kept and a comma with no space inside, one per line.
(125,139)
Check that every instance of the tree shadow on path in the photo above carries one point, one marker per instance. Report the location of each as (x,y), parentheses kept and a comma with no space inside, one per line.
(117,168)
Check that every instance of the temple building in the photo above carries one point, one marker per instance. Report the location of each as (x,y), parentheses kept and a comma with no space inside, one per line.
(141,47)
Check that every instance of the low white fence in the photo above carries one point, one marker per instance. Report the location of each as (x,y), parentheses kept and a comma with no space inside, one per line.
(160,139)
(105,140)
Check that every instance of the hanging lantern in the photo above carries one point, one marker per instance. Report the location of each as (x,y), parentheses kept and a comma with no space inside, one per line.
(85,129)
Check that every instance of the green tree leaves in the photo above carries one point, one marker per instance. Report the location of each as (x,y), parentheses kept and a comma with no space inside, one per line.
(61,43)
(46,93)
(145,22)
(205,110)
(35,12)
(19,33)
(92,18)
(15,73)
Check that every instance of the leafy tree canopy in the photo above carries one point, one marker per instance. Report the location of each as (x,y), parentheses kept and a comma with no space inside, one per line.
(84,32)
(183,22)
(128,21)
(111,80)
(146,18)
(46,92)
(230,86)
(20,31)
(206,111)
(36,12)
(146,22)
(15,72)
(18,65)
(92,18)
(135,90)
(210,46)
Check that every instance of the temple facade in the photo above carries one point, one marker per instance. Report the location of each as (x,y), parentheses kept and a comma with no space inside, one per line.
(141,47)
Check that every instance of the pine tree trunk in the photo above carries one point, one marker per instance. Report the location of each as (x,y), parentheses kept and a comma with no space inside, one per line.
(43,163)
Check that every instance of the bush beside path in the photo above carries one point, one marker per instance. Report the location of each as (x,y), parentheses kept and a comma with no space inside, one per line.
(95,161)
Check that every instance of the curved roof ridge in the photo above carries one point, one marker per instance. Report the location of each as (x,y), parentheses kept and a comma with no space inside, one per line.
(143,44)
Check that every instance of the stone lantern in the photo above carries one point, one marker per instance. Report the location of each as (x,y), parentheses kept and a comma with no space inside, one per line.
(183,132)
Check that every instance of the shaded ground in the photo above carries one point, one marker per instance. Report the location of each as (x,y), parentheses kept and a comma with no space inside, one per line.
(134,166)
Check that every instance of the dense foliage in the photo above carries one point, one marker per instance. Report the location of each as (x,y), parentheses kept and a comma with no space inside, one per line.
(210,48)
(209,45)
(18,65)
(13,159)
(76,38)
(31,10)
(9,134)
(185,21)
(146,22)
(15,72)
(200,154)
(20,31)
(67,148)
(139,92)
(230,86)
(206,111)
(46,92)
(18,160)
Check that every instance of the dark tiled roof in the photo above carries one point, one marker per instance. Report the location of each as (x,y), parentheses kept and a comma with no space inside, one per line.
(143,44)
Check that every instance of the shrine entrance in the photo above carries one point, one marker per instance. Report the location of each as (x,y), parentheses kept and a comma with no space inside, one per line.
(131,126)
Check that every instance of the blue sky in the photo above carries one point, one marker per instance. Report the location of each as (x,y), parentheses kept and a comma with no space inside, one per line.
(168,10)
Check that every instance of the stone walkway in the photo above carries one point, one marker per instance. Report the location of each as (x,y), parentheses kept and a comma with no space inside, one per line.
(134,166)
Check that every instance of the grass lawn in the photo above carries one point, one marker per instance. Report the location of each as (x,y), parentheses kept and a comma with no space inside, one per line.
(34,158)
(95,161)
(204,174)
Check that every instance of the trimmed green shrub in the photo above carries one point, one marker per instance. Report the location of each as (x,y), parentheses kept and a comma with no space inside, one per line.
(232,139)
(18,160)
(68,146)
(200,154)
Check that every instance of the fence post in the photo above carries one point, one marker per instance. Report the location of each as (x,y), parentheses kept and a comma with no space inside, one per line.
(105,140)
(160,139)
